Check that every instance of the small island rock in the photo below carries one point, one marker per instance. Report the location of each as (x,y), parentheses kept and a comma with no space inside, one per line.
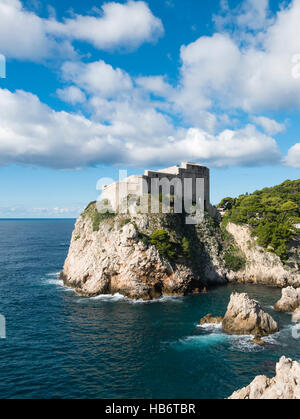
(290,300)
(210,319)
(285,385)
(246,317)
(259,341)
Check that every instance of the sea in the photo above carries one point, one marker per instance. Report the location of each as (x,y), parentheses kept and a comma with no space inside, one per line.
(56,344)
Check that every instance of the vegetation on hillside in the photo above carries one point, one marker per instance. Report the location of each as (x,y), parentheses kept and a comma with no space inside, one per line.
(234,258)
(271,213)
(171,249)
(96,216)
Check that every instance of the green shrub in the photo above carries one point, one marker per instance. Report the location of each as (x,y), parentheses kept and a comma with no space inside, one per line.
(98,218)
(161,240)
(125,222)
(234,261)
(92,212)
(186,247)
(144,239)
(270,213)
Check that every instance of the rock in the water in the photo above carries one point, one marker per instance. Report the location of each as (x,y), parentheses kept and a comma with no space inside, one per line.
(246,317)
(210,319)
(296,315)
(259,341)
(289,301)
(285,385)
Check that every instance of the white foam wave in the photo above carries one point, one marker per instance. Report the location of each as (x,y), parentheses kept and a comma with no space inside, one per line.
(201,341)
(244,343)
(271,339)
(215,326)
(165,299)
(55,282)
(56,274)
(119,297)
(108,297)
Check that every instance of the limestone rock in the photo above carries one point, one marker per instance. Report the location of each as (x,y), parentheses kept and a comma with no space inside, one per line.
(296,315)
(289,301)
(246,317)
(262,267)
(209,319)
(259,341)
(117,257)
(285,385)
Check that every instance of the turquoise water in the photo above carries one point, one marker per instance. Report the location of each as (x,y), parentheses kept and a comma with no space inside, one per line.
(63,346)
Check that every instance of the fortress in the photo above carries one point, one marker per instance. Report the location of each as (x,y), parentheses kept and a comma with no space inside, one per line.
(188,179)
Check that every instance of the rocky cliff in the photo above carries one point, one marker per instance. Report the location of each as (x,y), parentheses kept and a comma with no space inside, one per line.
(262,266)
(147,256)
(143,256)
(285,385)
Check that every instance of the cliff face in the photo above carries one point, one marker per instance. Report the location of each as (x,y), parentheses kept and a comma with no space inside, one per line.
(262,267)
(119,254)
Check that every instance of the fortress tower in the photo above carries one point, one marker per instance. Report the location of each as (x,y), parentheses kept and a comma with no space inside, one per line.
(140,185)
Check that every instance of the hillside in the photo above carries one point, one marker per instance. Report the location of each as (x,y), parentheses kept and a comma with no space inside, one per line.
(152,255)
(272,215)
(143,256)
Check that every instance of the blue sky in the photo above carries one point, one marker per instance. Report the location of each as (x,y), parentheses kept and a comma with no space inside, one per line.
(93,87)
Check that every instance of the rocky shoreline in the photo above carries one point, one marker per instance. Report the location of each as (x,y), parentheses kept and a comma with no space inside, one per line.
(143,256)
(245,316)
(285,385)
(116,254)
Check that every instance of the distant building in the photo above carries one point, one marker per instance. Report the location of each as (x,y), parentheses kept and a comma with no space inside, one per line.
(187,176)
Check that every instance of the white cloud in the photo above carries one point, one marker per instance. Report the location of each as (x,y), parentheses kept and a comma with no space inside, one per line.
(208,69)
(118,26)
(156,85)
(218,76)
(254,14)
(249,14)
(33,134)
(269,125)
(71,94)
(293,157)
(23,34)
(218,71)
(246,146)
(26,36)
(97,77)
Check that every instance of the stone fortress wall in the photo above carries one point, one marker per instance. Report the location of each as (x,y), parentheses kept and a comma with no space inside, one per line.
(140,185)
